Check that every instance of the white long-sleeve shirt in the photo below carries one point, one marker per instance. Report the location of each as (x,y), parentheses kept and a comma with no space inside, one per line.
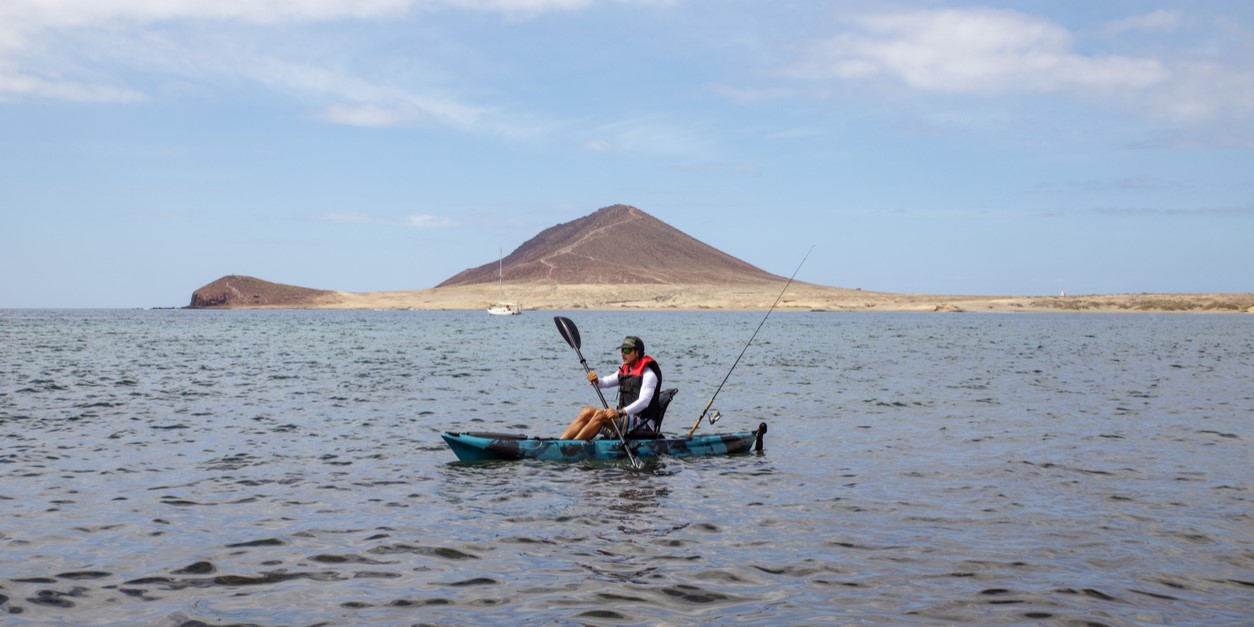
(648,384)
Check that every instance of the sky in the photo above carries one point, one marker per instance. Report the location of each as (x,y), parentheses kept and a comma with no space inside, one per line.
(1018,148)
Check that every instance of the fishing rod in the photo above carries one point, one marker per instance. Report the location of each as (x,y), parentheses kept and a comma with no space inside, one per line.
(742,352)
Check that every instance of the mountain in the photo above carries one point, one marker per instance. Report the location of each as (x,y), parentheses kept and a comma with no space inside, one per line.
(616,245)
(245,291)
(618,256)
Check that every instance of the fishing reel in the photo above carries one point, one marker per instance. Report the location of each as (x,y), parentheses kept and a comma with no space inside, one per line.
(715,416)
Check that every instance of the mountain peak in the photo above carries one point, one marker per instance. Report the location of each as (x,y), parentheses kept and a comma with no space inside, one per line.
(619,244)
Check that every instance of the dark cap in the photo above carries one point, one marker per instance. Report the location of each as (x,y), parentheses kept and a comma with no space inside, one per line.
(632,341)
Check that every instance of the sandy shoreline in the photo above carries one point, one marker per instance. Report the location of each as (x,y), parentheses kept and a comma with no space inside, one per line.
(798,297)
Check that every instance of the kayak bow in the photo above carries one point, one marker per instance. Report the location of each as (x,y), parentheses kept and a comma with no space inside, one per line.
(476,447)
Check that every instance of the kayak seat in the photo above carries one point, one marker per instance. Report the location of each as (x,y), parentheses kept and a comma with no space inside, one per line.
(663,400)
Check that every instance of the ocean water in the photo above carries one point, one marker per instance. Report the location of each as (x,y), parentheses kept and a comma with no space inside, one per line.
(285,468)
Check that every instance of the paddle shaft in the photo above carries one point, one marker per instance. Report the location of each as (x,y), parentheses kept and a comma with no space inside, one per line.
(595,386)
(742,351)
(569,331)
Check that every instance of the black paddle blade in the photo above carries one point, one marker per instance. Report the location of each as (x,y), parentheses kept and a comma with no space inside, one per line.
(568,330)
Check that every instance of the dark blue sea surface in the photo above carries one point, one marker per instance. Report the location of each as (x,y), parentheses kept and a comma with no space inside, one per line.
(285,468)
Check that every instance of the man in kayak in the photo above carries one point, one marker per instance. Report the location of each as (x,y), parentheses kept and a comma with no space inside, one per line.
(638,381)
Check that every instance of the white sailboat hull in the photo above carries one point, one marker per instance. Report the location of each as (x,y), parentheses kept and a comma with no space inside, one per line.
(505,309)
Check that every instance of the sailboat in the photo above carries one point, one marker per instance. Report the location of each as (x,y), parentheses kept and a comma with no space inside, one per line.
(502,308)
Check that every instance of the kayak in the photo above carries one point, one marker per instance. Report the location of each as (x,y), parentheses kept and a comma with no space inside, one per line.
(477,447)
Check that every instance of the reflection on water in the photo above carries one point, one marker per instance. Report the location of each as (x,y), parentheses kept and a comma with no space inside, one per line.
(285,468)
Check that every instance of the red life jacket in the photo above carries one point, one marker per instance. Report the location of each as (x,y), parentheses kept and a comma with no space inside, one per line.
(630,380)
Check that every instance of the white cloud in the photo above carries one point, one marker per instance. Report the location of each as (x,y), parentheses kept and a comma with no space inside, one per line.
(369,115)
(424,221)
(1203,90)
(529,8)
(598,145)
(1160,20)
(647,135)
(972,50)
(34,15)
(16,85)
(417,220)
(516,7)
(73,13)
(84,50)
(987,53)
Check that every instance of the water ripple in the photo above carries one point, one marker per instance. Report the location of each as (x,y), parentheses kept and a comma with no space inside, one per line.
(278,468)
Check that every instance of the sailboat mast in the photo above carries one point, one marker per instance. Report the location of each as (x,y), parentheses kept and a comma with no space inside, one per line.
(500,268)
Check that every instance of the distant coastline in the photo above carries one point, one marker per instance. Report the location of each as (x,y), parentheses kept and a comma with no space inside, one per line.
(567,266)
(745,296)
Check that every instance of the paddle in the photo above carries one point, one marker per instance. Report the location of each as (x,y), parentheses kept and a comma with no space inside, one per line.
(571,333)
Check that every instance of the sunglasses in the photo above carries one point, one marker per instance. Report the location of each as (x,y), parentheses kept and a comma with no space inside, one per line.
(627,350)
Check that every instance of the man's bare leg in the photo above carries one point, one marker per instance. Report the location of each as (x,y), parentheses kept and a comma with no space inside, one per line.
(599,420)
(577,425)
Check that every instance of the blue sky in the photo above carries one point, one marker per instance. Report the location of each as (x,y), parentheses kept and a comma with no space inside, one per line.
(148,148)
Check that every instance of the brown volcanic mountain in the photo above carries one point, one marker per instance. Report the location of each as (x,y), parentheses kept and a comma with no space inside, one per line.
(245,291)
(617,245)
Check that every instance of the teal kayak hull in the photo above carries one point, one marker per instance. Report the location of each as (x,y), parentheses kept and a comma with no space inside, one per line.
(478,447)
